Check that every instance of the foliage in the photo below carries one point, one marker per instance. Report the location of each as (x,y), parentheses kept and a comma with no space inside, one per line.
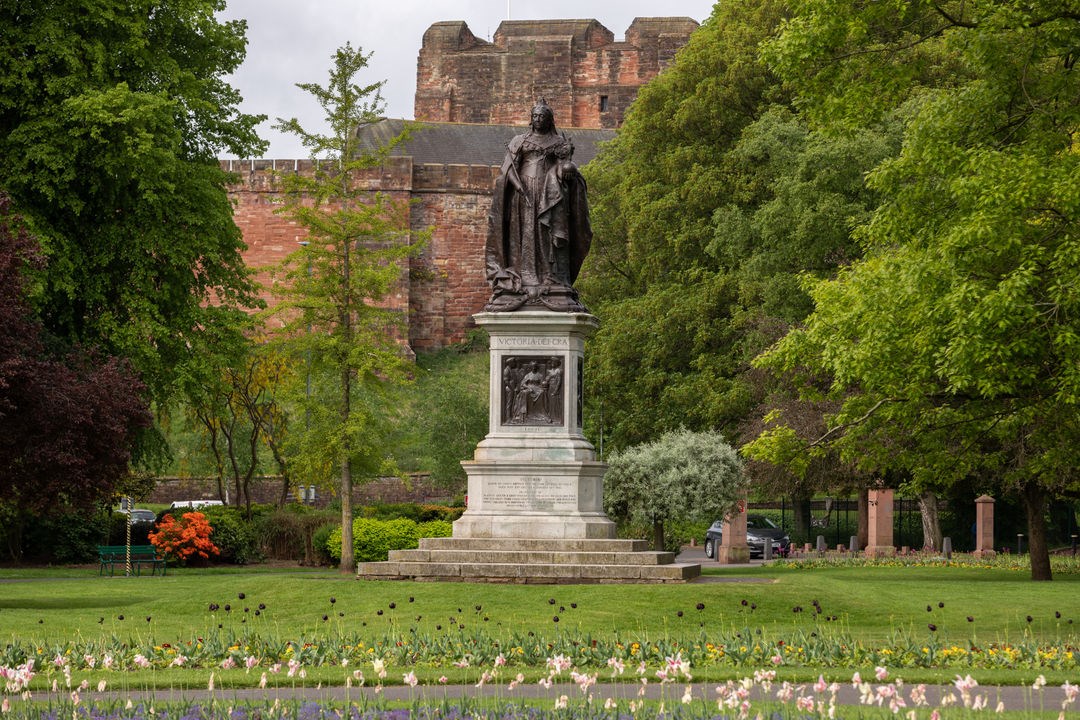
(335,310)
(240,415)
(236,537)
(111,115)
(952,344)
(682,474)
(411,511)
(444,414)
(184,539)
(374,539)
(69,417)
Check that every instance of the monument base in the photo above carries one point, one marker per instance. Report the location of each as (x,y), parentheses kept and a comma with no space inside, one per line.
(531,561)
(984,553)
(536,491)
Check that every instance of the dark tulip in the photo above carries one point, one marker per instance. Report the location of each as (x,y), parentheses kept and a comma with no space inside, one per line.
(573,605)
(461,627)
(551,601)
(246,609)
(700,606)
(228,607)
(378,612)
(834,618)
(411,598)
(262,606)
(459,609)
(1029,618)
(219,626)
(486,618)
(341,614)
(438,627)
(477,608)
(679,614)
(325,618)
(813,634)
(333,600)
(929,609)
(40,621)
(1057,614)
(418,617)
(148,618)
(393,605)
(121,617)
(555,619)
(100,620)
(933,627)
(753,606)
(744,603)
(970,619)
(941,604)
(562,609)
(241,596)
(258,612)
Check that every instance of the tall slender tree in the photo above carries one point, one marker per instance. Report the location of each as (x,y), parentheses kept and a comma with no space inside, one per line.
(336,285)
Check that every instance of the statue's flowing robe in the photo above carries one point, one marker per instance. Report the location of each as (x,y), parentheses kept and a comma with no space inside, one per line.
(538,227)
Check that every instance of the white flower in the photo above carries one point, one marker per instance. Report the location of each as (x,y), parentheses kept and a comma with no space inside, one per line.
(1040,683)
(409,679)
(101,686)
(561,702)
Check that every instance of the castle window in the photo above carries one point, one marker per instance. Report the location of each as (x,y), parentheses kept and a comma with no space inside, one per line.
(603,103)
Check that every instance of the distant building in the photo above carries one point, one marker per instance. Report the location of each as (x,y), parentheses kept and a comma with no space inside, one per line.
(470,106)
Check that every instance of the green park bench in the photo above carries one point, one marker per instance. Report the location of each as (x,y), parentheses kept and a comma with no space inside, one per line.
(112,555)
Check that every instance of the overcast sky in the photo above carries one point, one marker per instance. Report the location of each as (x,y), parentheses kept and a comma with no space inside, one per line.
(291,41)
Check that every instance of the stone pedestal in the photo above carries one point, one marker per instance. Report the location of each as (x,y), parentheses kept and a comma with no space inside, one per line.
(879,541)
(535,500)
(535,475)
(984,527)
(734,549)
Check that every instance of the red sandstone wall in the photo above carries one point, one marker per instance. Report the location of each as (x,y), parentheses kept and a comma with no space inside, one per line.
(445,285)
(572,63)
(271,237)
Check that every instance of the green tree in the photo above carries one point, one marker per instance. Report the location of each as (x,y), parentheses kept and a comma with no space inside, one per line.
(336,321)
(111,117)
(952,345)
(681,475)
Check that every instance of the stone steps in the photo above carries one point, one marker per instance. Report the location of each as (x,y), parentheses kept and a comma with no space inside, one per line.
(531,561)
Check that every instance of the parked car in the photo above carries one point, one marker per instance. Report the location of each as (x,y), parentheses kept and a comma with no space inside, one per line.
(139,516)
(759,530)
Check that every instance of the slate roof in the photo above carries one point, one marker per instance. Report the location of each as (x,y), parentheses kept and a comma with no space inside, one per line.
(467,144)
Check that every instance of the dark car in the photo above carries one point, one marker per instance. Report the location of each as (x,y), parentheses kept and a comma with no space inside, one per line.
(759,530)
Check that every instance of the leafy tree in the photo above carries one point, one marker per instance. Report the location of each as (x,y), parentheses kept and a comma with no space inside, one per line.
(952,345)
(681,474)
(358,241)
(68,416)
(111,117)
(445,413)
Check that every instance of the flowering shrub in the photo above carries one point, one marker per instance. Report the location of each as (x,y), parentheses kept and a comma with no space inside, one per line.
(185,539)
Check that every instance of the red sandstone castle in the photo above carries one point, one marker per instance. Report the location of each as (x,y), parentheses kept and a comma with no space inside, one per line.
(472,96)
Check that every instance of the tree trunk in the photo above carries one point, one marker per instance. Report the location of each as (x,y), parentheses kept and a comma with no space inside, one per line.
(801,511)
(1034,496)
(863,531)
(931,521)
(658,535)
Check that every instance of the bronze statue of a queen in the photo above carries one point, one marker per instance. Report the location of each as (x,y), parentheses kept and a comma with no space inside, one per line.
(538,228)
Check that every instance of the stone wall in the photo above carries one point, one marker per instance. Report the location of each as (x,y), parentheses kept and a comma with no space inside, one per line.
(574,64)
(444,286)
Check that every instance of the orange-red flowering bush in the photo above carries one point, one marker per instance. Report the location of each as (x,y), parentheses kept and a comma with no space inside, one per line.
(184,539)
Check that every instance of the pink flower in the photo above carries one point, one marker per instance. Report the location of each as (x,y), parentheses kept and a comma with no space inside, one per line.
(881,673)
(409,679)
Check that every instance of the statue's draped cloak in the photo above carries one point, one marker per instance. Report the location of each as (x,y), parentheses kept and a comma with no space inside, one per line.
(538,227)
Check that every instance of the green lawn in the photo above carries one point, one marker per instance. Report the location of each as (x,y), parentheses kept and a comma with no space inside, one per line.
(868,616)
